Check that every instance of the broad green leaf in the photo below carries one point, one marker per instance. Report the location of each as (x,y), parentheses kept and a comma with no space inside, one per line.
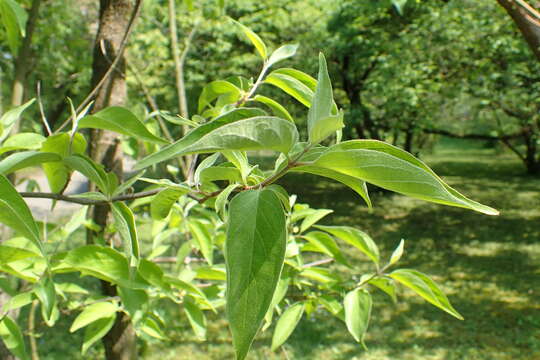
(357,305)
(210,273)
(101,262)
(282,53)
(206,163)
(14,19)
(153,274)
(290,86)
(22,141)
(312,218)
(91,313)
(398,252)
(202,236)
(282,194)
(356,238)
(24,159)
(15,214)
(124,222)
(326,245)
(254,38)
(279,294)
(256,133)
(286,324)
(254,254)
(162,203)
(196,318)
(134,301)
(276,107)
(46,294)
(322,121)
(13,338)
(396,173)
(119,120)
(189,289)
(240,160)
(359,186)
(216,89)
(426,288)
(221,172)
(96,330)
(178,148)
(301,76)
(221,199)
(10,117)
(9,254)
(386,285)
(91,170)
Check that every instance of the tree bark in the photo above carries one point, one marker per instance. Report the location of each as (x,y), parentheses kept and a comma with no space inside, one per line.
(104,146)
(526,21)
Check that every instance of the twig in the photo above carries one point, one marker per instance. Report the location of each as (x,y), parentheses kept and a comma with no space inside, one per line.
(115,62)
(43,117)
(32,330)
(317,263)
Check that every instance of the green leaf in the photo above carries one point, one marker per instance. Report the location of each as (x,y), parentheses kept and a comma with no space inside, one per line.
(313,218)
(96,330)
(254,38)
(120,120)
(10,117)
(46,294)
(124,222)
(399,4)
(24,159)
(202,236)
(426,288)
(9,254)
(178,148)
(254,254)
(18,301)
(91,170)
(301,76)
(393,169)
(282,194)
(240,160)
(221,199)
(276,107)
(162,203)
(14,19)
(386,285)
(322,121)
(398,252)
(357,305)
(205,164)
(178,120)
(15,214)
(91,313)
(256,133)
(196,318)
(324,276)
(282,53)
(22,141)
(326,245)
(286,324)
(290,86)
(211,273)
(216,89)
(356,238)
(13,339)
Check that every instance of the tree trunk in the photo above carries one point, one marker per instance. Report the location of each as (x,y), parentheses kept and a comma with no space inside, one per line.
(526,21)
(114,21)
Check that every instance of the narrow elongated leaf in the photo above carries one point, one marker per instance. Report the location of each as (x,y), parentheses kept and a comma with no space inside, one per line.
(120,120)
(221,199)
(255,39)
(386,285)
(398,252)
(202,236)
(426,288)
(276,107)
(14,19)
(254,254)
(10,117)
(322,121)
(206,163)
(240,160)
(24,159)
(356,238)
(291,86)
(286,324)
(9,254)
(162,203)
(196,318)
(91,170)
(313,218)
(282,53)
(216,89)
(13,339)
(325,244)
(18,301)
(91,313)
(399,4)
(46,294)
(357,305)
(96,330)
(177,148)
(301,76)
(22,141)
(125,224)
(15,213)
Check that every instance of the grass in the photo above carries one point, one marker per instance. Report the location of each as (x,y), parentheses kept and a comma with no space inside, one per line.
(488,266)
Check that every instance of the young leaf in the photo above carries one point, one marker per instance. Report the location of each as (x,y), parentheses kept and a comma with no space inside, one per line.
(162,203)
(356,238)
(125,224)
(10,117)
(91,313)
(196,318)
(96,330)
(282,53)
(254,254)
(398,252)
(120,120)
(216,89)
(13,339)
(426,288)
(46,293)
(314,217)
(286,324)
(357,305)
(322,121)
(15,214)
(254,38)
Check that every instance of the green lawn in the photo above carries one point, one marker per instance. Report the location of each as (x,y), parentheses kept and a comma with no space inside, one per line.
(488,266)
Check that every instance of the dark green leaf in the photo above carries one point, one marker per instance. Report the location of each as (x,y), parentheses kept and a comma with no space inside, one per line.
(91,170)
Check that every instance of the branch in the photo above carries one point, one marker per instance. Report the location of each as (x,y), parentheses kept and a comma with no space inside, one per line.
(82,201)
(471,136)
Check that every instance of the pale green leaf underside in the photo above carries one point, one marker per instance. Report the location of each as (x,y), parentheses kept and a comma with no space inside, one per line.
(286,324)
